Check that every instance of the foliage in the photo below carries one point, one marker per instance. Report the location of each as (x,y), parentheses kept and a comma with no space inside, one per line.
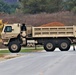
(70,5)
(74,10)
(54,5)
(48,6)
(38,6)
(7,8)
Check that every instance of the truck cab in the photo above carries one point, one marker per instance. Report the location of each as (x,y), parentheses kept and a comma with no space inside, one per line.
(10,31)
(15,35)
(11,37)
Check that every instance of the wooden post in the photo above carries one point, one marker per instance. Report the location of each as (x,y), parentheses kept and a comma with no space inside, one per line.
(35,47)
(73,47)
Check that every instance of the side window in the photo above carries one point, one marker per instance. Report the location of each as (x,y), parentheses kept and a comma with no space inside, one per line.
(8,29)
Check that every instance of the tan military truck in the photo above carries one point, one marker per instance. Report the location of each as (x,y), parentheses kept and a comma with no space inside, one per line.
(16,35)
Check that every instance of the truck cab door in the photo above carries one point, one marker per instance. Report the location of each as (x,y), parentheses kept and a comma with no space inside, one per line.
(7,31)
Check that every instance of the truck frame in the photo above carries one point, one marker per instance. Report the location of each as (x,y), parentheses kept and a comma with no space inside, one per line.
(16,35)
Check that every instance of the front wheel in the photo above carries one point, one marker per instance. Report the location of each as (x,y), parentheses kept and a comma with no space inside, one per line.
(14,47)
(49,46)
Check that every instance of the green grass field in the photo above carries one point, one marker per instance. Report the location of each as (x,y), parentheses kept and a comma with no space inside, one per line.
(27,49)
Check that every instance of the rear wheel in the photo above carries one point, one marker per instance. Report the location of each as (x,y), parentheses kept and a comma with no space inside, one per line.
(14,47)
(64,45)
(49,46)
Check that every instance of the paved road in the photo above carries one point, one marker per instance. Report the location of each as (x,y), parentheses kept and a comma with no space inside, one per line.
(41,63)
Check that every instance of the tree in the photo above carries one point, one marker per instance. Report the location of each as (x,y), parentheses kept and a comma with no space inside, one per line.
(38,6)
(74,10)
(7,8)
(69,4)
(54,5)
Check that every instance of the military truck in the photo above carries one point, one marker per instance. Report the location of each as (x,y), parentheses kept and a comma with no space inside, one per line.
(16,35)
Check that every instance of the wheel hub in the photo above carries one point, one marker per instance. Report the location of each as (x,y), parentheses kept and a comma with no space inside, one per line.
(49,46)
(64,45)
(14,47)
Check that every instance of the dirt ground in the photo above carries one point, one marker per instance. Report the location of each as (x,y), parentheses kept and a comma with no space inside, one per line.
(2,46)
(8,56)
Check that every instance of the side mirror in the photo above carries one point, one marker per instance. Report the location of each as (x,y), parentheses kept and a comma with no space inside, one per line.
(12,29)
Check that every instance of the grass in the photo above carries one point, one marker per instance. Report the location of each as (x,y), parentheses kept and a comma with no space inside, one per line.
(27,49)
(4,51)
(32,49)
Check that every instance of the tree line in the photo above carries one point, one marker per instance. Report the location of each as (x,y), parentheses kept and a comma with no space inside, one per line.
(39,6)
(48,6)
(8,8)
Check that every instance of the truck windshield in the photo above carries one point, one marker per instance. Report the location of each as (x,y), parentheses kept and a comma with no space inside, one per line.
(8,29)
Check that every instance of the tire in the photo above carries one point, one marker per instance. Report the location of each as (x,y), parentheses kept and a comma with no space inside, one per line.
(49,46)
(64,45)
(14,47)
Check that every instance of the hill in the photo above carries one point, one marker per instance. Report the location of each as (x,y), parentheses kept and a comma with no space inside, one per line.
(65,17)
